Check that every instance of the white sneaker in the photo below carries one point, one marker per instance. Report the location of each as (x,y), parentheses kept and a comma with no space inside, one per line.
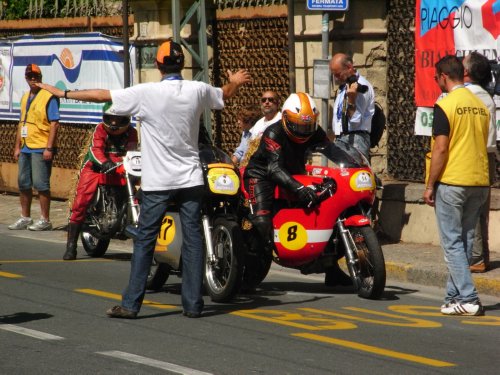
(21,223)
(473,309)
(41,224)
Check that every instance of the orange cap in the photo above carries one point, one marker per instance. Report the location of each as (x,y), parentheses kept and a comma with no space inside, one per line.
(170,53)
(33,69)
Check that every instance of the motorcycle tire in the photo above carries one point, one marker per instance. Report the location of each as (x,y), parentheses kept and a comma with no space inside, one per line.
(158,275)
(368,272)
(95,247)
(257,267)
(223,277)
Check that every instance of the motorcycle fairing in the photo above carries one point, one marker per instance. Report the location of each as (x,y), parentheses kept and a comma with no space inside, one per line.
(357,221)
(222,179)
(169,240)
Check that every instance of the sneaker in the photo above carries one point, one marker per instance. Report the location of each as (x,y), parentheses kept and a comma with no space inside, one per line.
(470,308)
(121,313)
(447,305)
(21,223)
(41,224)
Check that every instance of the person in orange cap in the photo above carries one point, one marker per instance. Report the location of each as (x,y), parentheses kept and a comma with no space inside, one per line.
(35,148)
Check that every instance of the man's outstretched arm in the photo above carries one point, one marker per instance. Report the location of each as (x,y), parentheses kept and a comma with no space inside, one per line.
(91,95)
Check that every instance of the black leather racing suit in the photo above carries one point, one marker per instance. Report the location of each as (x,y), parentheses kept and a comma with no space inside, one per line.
(274,163)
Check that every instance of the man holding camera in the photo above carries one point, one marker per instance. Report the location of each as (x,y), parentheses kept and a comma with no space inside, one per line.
(354,104)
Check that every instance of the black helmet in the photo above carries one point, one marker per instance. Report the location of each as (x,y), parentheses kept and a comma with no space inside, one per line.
(112,121)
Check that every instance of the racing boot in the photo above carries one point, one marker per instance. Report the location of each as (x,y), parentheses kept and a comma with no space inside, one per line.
(73,233)
(335,276)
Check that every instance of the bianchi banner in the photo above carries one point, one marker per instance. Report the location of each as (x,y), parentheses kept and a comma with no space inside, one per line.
(453,27)
(69,62)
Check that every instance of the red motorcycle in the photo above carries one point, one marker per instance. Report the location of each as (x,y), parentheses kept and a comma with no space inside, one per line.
(312,239)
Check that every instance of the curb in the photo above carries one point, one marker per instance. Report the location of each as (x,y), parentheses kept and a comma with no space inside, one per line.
(410,274)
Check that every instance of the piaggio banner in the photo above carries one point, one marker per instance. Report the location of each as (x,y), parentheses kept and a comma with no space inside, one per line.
(455,27)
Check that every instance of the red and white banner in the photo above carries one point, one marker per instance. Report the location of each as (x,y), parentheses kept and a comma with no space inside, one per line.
(445,27)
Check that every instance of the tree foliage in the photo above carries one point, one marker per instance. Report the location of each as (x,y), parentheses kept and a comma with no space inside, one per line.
(29,9)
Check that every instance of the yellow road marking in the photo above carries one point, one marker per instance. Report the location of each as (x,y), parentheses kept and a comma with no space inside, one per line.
(488,320)
(375,350)
(396,319)
(53,261)
(11,275)
(294,319)
(118,297)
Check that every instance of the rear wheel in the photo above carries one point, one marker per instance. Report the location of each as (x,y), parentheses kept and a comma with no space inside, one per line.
(223,274)
(95,247)
(158,275)
(256,269)
(368,268)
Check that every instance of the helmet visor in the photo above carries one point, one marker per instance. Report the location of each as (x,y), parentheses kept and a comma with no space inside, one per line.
(303,129)
(115,122)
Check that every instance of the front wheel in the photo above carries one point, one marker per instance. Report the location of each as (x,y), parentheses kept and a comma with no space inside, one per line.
(95,247)
(368,266)
(224,273)
(158,275)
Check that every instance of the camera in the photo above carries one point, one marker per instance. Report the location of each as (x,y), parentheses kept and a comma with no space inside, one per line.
(494,86)
(361,88)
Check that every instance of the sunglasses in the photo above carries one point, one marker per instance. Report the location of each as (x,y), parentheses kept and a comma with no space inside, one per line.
(31,76)
(266,99)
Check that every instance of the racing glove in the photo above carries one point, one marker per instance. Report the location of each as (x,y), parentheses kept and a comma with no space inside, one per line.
(307,196)
(107,166)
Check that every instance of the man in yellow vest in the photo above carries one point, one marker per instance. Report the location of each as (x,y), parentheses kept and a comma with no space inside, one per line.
(35,148)
(457,180)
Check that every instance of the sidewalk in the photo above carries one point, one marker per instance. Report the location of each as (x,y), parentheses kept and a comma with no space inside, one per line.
(407,262)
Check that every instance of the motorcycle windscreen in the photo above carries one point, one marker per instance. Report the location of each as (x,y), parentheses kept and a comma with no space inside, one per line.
(343,155)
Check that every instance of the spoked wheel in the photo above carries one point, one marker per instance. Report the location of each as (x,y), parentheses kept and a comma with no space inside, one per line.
(158,275)
(224,273)
(368,268)
(95,247)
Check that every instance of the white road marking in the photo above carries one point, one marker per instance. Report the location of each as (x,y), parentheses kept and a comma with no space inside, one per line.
(30,332)
(153,363)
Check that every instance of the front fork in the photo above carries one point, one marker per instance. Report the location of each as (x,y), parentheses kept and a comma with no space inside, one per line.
(349,246)
(131,230)
(207,231)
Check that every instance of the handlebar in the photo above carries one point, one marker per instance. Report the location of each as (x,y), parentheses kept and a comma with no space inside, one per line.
(116,167)
(324,190)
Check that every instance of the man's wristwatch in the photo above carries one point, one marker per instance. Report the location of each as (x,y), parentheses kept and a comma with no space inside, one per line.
(66,94)
(50,149)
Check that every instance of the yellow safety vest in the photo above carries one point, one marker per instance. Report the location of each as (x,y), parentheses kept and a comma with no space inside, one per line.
(467,163)
(38,126)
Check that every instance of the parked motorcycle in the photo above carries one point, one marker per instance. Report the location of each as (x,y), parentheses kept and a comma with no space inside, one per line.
(114,210)
(312,239)
(222,237)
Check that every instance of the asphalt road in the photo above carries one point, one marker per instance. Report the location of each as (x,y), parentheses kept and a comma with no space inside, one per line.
(52,321)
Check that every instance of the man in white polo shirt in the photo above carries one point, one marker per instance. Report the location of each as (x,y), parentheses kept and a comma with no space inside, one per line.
(170,111)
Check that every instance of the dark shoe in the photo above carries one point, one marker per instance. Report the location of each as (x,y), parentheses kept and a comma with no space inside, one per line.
(335,276)
(71,243)
(121,313)
(70,254)
(478,267)
(191,314)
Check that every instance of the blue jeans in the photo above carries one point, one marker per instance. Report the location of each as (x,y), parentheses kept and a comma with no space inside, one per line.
(34,171)
(153,209)
(457,212)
